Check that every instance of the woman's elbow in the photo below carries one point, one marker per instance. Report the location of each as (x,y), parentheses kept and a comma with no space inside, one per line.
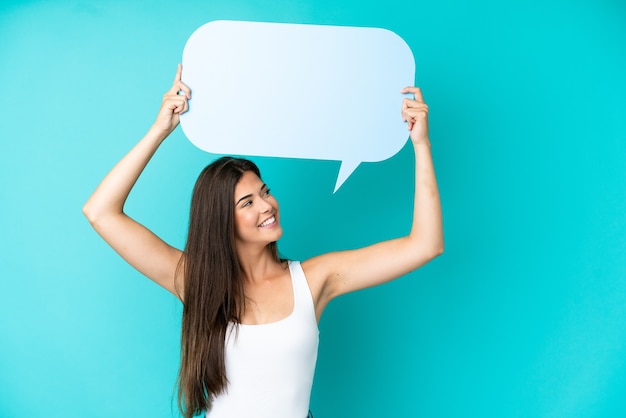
(87,212)
(91,213)
(435,249)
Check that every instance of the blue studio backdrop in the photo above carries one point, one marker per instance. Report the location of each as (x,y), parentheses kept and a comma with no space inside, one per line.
(523,316)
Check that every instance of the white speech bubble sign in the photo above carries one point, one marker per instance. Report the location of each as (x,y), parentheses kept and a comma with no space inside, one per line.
(297,91)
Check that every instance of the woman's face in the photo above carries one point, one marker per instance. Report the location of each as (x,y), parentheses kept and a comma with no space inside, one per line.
(256,212)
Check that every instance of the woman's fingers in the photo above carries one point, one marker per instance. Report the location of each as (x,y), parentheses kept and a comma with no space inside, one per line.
(178,87)
(176,98)
(417,93)
(414,111)
(179,73)
(413,104)
(182,90)
(176,103)
(417,104)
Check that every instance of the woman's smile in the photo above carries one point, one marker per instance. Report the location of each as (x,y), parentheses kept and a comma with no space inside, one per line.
(269,222)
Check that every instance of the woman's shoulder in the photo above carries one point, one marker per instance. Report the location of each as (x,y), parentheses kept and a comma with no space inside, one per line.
(319,265)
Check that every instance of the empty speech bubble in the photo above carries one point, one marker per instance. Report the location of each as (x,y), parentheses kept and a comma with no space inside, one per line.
(297,91)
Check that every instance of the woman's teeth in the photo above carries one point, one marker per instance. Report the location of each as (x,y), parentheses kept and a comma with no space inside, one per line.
(268,221)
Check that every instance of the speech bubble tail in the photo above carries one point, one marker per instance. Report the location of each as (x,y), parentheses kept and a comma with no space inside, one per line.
(347,168)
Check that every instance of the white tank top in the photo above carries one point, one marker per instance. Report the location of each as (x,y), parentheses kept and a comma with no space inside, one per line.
(270,367)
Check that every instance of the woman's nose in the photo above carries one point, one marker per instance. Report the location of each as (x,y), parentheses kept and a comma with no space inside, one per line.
(265,206)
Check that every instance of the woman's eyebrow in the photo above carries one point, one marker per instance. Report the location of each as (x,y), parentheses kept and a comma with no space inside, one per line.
(243,198)
(263,187)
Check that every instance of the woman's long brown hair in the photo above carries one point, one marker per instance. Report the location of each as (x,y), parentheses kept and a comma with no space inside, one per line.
(213,287)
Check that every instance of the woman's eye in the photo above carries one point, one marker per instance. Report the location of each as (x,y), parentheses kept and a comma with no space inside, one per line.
(267,192)
(247,203)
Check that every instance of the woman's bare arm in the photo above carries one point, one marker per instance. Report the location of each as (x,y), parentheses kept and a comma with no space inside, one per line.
(337,273)
(105,208)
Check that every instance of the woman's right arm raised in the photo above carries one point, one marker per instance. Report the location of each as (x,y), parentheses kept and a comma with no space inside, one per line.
(105,208)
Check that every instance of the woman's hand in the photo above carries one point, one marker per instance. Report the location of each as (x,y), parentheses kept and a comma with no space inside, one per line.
(175,103)
(415,113)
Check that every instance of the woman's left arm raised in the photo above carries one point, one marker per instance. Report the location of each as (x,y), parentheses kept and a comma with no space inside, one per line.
(337,273)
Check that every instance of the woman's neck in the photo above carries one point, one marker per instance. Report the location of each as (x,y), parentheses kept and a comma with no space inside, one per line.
(257,265)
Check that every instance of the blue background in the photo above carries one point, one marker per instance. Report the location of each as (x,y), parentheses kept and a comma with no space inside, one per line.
(523,316)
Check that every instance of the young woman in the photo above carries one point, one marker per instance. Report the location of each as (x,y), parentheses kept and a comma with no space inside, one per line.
(249,334)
